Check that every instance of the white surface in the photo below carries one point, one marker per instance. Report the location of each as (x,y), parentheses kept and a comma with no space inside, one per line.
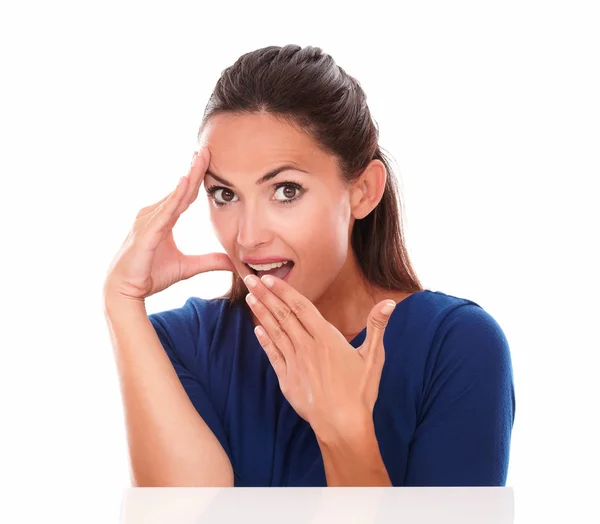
(492,505)
(489,109)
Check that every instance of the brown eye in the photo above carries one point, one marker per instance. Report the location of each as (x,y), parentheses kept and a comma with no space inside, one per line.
(213,191)
(290,192)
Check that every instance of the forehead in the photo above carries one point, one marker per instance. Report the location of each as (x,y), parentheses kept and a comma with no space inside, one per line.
(242,144)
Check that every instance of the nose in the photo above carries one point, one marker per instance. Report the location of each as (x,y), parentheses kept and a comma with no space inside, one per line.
(253,228)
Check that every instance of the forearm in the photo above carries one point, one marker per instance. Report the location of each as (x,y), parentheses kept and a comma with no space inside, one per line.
(352,458)
(169,443)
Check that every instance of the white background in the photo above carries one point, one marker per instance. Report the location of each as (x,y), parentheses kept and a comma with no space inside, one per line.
(490,111)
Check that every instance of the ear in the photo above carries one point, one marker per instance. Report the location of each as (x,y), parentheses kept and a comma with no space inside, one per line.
(368,189)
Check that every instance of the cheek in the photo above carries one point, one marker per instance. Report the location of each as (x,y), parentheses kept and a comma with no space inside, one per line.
(324,239)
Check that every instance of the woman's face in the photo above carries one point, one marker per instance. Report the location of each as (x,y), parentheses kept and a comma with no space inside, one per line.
(301,214)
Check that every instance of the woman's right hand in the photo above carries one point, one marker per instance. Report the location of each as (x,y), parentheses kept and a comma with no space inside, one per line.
(149,261)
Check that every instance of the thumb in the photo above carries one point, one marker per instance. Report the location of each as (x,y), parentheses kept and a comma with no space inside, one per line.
(376,324)
(194,264)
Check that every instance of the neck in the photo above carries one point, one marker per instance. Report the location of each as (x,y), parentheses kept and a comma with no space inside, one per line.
(346,304)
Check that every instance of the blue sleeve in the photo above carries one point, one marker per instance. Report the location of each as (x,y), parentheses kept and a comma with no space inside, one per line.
(467,413)
(185,334)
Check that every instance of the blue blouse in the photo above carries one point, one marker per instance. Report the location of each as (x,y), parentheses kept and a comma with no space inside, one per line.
(443,417)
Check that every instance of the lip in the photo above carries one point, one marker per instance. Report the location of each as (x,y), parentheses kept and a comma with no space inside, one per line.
(284,278)
(267,260)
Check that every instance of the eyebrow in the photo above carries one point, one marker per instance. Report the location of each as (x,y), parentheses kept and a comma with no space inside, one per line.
(265,178)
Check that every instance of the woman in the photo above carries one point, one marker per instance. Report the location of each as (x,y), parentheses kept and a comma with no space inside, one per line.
(336,391)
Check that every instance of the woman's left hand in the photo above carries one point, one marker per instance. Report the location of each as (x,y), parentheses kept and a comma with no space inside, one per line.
(328,382)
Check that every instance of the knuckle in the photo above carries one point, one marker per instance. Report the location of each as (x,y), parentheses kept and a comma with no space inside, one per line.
(276,333)
(282,313)
(273,354)
(298,307)
(378,323)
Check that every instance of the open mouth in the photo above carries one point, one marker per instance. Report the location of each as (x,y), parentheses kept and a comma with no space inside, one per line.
(280,272)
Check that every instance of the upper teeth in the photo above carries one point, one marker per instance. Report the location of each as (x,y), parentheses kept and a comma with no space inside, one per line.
(266,267)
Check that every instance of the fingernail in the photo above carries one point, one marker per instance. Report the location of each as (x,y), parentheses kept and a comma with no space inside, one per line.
(388,308)
(194,157)
(267,280)
(250,280)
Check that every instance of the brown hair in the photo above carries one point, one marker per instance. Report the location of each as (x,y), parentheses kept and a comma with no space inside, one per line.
(305,88)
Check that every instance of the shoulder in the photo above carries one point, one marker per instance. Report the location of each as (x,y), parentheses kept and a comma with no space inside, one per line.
(438,313)
(458,333)
(458,355)
(442,331)
(464,321)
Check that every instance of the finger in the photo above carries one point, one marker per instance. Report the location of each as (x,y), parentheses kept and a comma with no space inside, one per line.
(196,175)
(192,172)
(201,171)
(284,313)
(273,328)
(273,354)
(376,325)
(164,216)
(148,209)
(304,310)
(191,265)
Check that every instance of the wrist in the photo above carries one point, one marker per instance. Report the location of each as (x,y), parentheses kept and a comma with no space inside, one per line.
(355,428)
(115,302)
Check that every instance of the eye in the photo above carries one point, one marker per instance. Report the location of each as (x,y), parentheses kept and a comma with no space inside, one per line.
(227,194)
(214,189)
(288,191)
